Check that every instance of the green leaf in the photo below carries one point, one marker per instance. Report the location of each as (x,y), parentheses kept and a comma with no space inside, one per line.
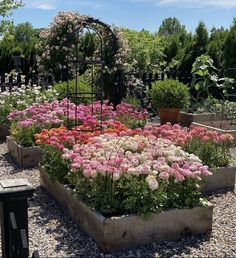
(197,86)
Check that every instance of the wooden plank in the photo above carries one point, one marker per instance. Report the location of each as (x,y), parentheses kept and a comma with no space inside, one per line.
(4,132)
(24,156)
(186,119)
(222,179)
(30,156)
(91,222)
(131,231)
(116,233)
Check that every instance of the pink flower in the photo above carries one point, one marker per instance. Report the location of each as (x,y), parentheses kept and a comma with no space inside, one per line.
(205,138)
(164,175)
(66,156)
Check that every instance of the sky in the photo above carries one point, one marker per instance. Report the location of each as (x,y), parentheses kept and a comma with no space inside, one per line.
(133,14)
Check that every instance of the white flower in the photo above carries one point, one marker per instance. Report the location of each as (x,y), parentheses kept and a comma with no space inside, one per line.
(194,158)
(152,182)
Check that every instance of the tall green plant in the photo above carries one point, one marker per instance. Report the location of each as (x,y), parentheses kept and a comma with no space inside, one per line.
(205,76)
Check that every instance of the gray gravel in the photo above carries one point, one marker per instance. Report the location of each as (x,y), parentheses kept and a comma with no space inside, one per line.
(54,234)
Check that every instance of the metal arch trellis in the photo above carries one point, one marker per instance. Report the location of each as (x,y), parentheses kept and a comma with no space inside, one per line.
(101,30)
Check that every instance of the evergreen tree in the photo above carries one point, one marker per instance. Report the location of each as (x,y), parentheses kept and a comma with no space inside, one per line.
(195,47)
(170,26)
(230,50)
(200,40)
(215,47)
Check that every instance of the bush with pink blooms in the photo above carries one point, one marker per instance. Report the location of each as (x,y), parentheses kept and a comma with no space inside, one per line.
(26,123)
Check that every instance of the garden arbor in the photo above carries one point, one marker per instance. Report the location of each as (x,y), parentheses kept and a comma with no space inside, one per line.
(76,45)
(95,48)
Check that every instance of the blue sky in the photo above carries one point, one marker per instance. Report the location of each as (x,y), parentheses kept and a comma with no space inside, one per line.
(134,14)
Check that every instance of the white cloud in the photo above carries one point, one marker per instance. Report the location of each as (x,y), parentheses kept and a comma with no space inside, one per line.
(92,4)
(41,4)
(191,3)
(60,4)
(46,6)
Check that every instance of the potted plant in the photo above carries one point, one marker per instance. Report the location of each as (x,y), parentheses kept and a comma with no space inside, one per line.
(169,96)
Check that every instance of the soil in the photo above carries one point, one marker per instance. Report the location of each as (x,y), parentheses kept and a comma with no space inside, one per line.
(222,124)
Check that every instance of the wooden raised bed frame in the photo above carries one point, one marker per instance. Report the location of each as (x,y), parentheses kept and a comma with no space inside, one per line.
(24,156)
(222,179)
(219,130)
(4,132)
(116,233)
(186,119)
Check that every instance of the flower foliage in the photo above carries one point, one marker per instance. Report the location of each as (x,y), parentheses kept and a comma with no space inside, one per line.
(21,98)
(62,137)
(58,44)
(37,117)
(213,148)
(133,174)
(131,116)
(125,171)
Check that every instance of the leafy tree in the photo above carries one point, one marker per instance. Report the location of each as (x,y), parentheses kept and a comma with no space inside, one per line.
(172,49)
(147,50)
(170,26)
(19,40)
(6,8)
(186,58)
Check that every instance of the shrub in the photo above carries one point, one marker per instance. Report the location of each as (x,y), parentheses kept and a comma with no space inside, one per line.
(169,94)
(82,86)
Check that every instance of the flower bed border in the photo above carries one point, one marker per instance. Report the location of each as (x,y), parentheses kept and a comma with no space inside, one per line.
(24,156)
(117,233)
(4,131)
(222,179)
(219,130)
(186,119)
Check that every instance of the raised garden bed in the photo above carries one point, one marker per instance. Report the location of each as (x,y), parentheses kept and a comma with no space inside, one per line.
(4,132)
(24,156)
(187,119)
(221,126)
(222,179)
(116,233)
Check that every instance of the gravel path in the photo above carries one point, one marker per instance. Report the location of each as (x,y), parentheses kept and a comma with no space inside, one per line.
(54,234)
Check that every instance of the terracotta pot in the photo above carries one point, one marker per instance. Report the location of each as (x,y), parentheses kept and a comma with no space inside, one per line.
(168,115)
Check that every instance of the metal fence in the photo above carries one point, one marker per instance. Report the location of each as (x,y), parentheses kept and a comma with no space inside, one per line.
(149,78)
(9,82)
